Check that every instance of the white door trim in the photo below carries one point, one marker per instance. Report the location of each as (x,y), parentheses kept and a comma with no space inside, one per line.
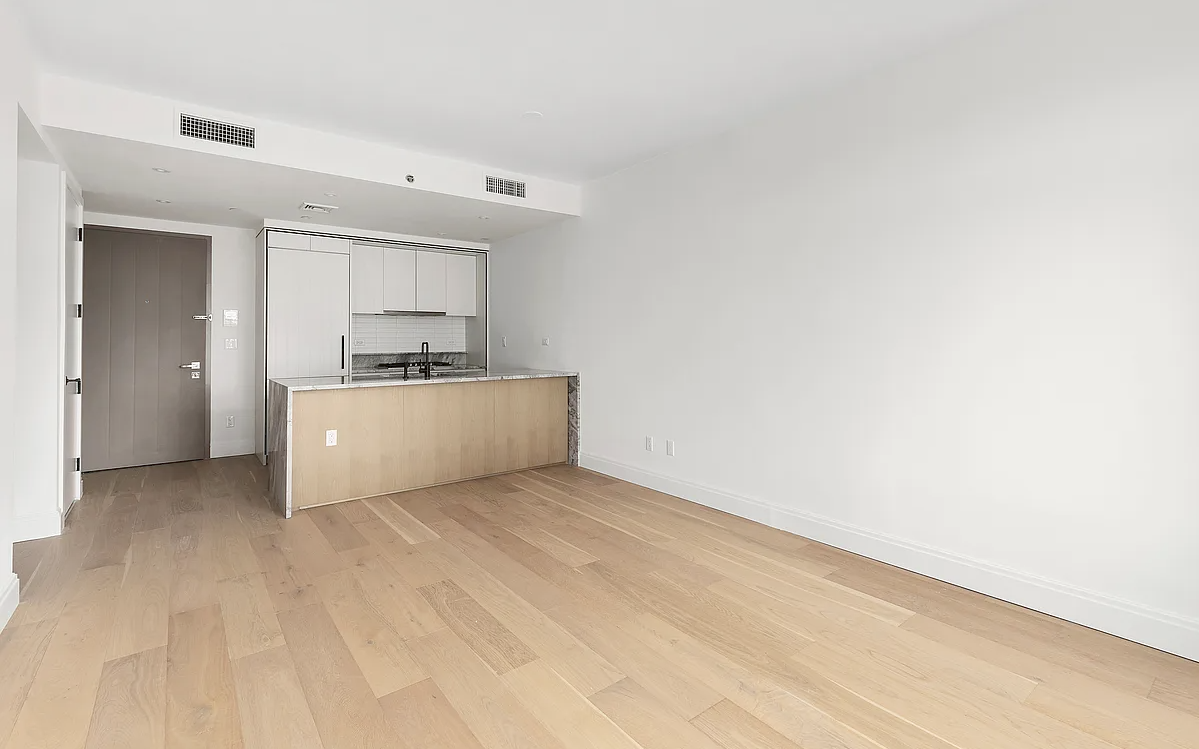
(67,494)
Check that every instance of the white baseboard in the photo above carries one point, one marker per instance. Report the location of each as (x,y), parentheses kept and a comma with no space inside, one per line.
(1163,630)
(10,596)
(41,525)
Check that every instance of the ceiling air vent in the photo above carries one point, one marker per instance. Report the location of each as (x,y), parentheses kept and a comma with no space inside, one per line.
(503,186)
(191,126)
(317,208)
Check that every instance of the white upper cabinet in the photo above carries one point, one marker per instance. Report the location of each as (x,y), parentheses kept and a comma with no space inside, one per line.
(430,282)
(287,241)
(394,280)
(461,294)
(340,245)
(366,280)
(283,240)
(384,280)
(399,280)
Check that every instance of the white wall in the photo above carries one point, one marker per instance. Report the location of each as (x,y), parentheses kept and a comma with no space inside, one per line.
(37,493)
(230,372)
(17,79)
(946,316)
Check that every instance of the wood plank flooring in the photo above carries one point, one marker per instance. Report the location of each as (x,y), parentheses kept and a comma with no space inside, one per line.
(541,610)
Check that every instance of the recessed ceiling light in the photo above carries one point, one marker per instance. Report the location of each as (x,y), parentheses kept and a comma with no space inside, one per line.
(485,218)
(533,114)
(232,208)
(305,218)
(441,234)
(160,200)
(160,170)
(330,195)
(484,239)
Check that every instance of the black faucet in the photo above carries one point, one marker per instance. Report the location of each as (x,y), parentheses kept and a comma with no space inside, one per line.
(427,366)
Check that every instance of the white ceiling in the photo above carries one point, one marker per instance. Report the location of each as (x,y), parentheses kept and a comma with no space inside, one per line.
(617,80)
(117,176)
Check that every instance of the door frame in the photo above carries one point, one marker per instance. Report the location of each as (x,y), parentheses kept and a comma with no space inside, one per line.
(208,337)
(70,201)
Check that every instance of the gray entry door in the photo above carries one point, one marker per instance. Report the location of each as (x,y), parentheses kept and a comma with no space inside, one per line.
(144,354)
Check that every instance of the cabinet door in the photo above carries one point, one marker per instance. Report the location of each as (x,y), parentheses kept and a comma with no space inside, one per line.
(430,281)
(308,321)
(399,280)
(366,280)
(330,244)
(288,241)
(460,286)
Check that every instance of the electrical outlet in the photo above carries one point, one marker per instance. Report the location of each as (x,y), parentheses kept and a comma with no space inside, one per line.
(670,448)
(228,422)
(504,341)
(649,444)
(231,343)
(330,438)
(545,341)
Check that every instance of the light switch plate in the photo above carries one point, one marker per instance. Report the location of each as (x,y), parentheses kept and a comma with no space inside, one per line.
(670,448)
(228,422)
(330,438)
(230,318)
(195,375)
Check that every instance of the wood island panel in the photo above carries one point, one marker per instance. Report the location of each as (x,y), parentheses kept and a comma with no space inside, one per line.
(391,439)
(529,427)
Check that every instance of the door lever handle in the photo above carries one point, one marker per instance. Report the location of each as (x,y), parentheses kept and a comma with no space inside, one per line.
(193,365)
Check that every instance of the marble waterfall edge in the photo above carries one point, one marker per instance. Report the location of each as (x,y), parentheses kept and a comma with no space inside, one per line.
(572,418)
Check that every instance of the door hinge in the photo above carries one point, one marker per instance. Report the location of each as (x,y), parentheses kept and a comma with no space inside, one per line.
(77,467)
(79,311)
(79,234)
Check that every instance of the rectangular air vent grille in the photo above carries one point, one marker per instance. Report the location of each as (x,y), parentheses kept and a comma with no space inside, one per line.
(192,126)
(502,186)
(317,208)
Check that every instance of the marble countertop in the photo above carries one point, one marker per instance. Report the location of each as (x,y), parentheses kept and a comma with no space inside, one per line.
(296,384)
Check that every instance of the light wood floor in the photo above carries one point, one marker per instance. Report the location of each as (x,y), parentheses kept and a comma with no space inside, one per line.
(548,609)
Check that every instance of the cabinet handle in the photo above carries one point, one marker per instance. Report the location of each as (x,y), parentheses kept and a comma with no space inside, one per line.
(343,352)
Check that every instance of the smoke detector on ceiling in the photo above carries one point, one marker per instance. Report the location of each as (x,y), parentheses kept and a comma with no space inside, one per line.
(317,208)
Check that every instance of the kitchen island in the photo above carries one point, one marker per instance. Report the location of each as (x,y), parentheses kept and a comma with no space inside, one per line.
(396,434)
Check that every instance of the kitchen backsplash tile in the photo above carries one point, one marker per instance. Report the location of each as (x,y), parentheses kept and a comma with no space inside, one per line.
(400,334)
(367,362)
